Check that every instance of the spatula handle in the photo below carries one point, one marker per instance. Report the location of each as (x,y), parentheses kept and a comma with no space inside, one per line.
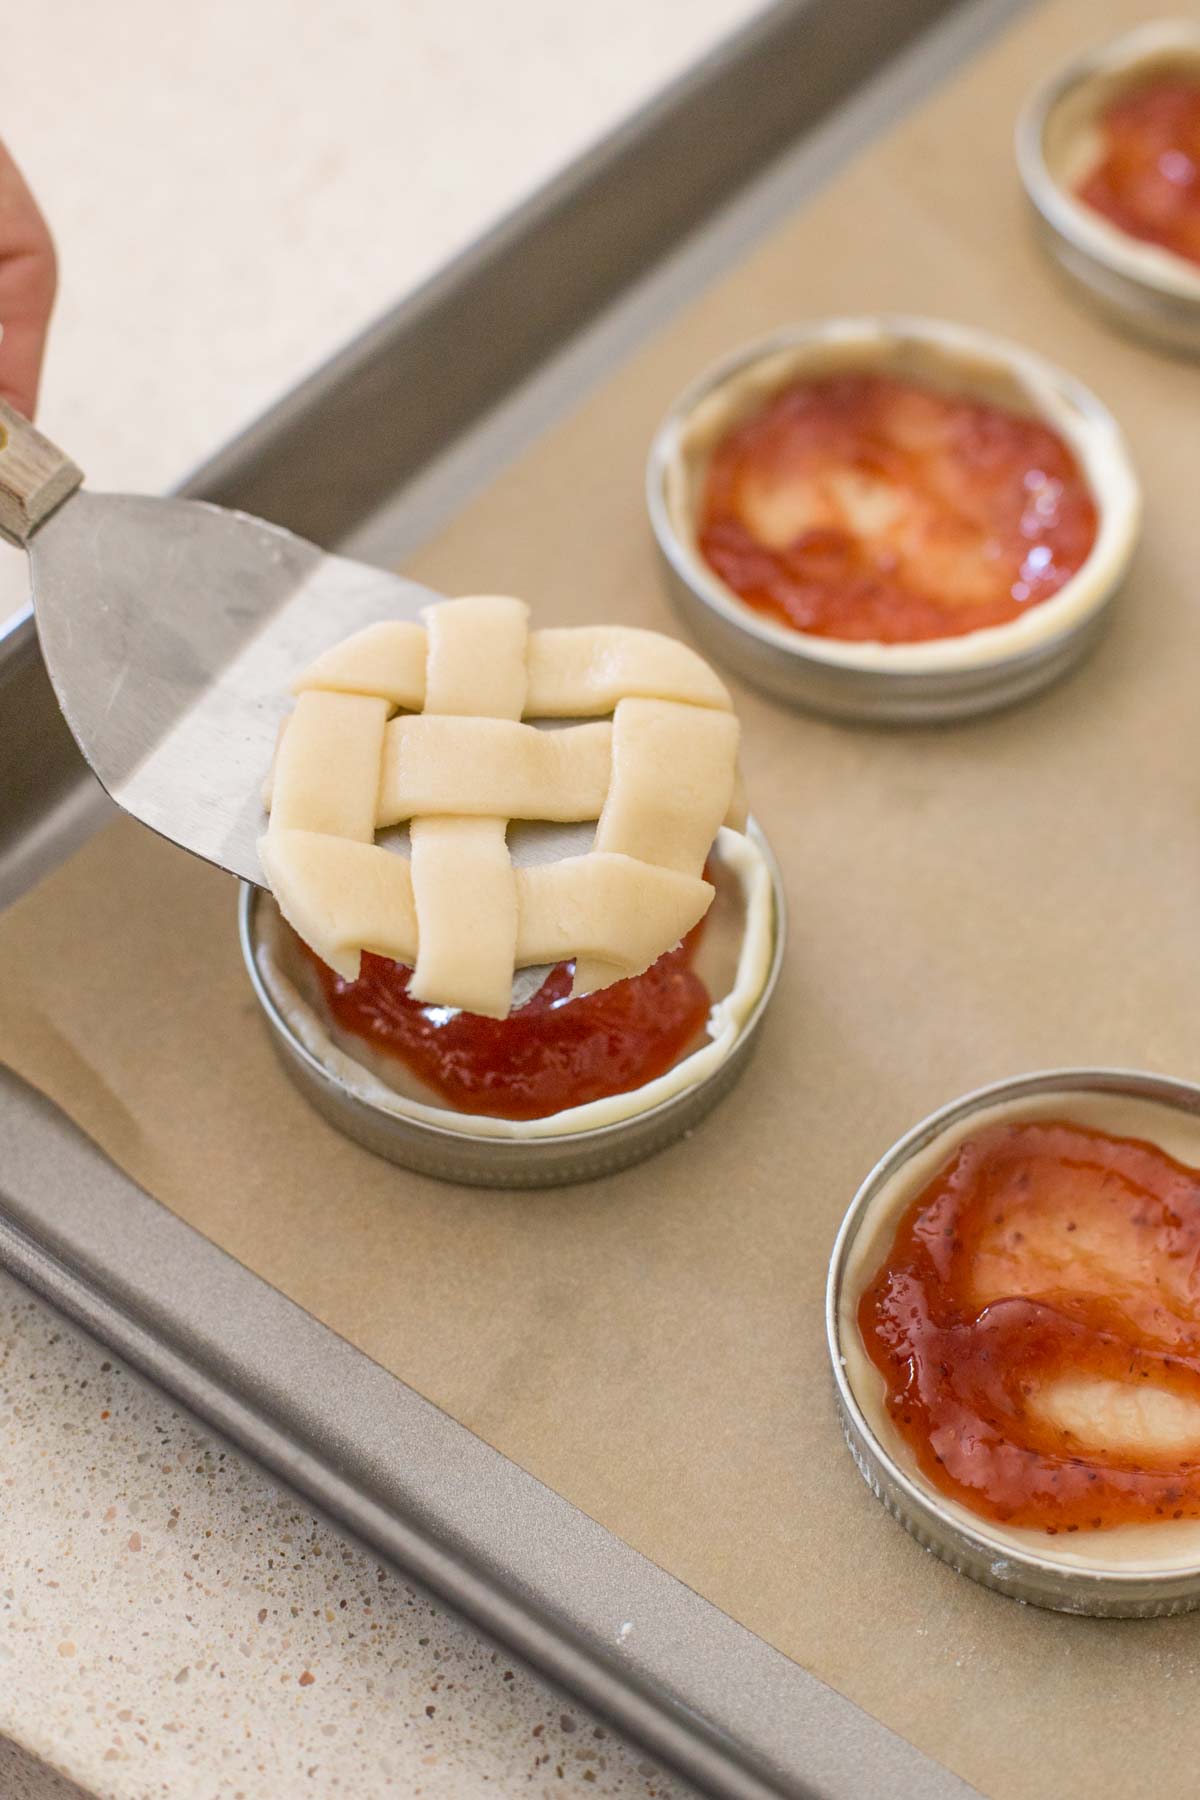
(35,476)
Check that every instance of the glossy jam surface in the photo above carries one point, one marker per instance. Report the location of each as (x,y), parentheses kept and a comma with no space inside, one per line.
(860,506)
(554,1053)
(1147,181)
(1037,1326)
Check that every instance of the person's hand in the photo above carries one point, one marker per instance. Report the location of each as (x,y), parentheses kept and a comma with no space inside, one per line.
(28,278)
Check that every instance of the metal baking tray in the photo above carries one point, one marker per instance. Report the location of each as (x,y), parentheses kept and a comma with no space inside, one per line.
(611,248)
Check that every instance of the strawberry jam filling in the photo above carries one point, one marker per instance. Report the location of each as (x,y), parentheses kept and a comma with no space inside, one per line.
(861,506)
(1147,181)
(551,1054)
(1037,1326)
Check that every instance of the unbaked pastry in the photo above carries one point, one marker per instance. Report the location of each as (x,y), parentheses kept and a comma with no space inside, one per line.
(1156,1547)
(659,777)
(948,357)
(1072,144)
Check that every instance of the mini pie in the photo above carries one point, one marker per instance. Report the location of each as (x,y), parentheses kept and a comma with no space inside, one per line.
(1072,146)
(938,359)
(423,724)
(1144,1425)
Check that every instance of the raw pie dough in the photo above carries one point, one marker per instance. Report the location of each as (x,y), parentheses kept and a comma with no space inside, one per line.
(660,778)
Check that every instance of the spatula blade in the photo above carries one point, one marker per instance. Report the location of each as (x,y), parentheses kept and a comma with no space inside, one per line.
(171,630)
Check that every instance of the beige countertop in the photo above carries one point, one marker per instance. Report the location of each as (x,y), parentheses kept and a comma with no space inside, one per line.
(236,189)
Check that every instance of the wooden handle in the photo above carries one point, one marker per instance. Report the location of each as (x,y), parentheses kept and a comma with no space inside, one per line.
(35,477)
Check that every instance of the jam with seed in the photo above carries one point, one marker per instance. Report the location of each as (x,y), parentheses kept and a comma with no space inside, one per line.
(1147,182)
(1037,1326)
(553,1053)
(861,506)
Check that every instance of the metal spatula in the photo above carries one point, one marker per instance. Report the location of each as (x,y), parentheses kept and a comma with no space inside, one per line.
(171,629)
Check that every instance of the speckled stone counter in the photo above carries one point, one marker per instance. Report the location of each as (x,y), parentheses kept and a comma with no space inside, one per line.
(235,190)
(173,1623)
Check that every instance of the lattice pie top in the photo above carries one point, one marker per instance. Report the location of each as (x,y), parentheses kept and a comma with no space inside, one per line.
(457,764)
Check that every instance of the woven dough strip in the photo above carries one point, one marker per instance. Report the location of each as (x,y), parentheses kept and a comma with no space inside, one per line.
(660,779)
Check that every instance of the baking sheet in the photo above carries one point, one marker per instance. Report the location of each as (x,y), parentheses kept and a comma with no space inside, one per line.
(966,904)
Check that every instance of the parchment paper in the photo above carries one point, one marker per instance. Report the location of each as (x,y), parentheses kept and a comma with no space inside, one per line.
(966,904)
